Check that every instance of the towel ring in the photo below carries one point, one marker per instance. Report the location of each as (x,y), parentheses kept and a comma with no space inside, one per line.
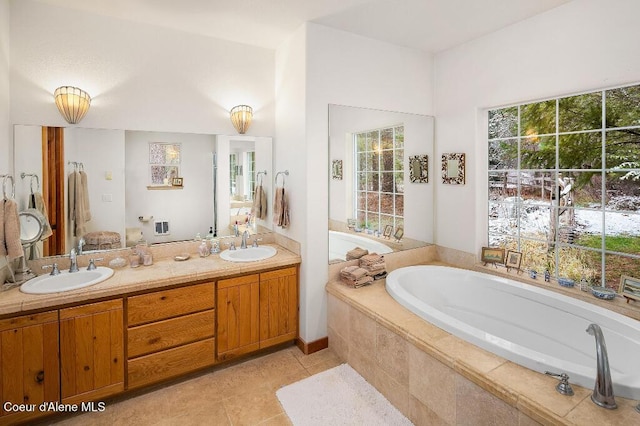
(285,173)
(4,186)
(259,177)
(32,176)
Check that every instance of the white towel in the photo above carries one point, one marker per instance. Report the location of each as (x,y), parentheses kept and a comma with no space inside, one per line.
(42,208)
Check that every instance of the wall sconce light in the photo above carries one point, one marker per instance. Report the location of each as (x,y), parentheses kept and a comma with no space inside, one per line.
(73,103)
(241,116)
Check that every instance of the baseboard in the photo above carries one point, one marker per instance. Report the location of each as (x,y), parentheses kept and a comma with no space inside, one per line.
(311,347)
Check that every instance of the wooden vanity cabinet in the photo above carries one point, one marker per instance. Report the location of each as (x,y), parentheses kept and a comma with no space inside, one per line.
(170,333)
(91,351)
(256,311)
(29,363)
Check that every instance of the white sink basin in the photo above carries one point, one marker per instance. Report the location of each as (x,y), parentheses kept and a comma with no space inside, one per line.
(250,254)
(66,281)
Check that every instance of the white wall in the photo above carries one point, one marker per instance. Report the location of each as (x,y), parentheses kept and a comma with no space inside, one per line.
(6,132)
(580,46)
(140,77)
(189,210)
(336,69)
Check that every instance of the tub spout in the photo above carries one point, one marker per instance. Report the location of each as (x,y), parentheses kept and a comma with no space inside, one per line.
(603,390)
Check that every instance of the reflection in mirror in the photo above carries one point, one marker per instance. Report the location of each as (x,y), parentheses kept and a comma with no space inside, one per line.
(124,203)
(376,199)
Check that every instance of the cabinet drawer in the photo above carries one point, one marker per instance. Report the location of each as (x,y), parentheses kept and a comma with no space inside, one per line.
(169,333)
(165,304)
(170,363)
(28,320)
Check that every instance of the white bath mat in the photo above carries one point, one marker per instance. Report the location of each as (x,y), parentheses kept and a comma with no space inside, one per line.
(339,396)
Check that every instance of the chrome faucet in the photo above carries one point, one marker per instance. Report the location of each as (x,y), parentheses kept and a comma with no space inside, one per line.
(245,235)
(81,244)
(603,390)
(73,267)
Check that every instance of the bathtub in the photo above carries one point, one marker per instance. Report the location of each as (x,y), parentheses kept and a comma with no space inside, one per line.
(341,242)
(536,328)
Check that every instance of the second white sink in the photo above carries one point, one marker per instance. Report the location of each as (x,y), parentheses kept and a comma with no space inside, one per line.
(65,281)
(250,254)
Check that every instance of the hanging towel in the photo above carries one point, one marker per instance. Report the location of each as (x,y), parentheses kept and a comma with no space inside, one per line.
(259,207)
(42,208)
(77,212)
(10,244)
(84,180)
(280,208)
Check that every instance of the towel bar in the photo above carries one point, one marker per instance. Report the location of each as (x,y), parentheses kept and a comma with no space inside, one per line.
(285,173)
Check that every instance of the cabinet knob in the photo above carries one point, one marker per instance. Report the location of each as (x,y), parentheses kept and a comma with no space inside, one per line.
(39,377)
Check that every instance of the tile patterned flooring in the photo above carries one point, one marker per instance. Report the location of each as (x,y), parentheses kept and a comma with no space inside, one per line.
(240,394)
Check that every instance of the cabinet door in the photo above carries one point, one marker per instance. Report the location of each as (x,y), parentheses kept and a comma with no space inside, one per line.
(91,351)
(278,306)
(29,366)
(237,306)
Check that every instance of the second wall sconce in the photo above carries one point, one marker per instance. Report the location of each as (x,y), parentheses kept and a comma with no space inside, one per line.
(241,116)
(72,102)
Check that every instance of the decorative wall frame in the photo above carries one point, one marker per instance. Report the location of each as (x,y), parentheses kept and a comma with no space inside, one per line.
(513,260)
(453,165)
(336,169)
(629,288)
(164,162)
(419,168)
(492,255)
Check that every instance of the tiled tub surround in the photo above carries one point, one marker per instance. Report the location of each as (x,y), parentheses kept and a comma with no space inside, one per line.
(436,378)
(164,272)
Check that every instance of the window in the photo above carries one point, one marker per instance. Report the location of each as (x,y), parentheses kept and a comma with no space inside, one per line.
(164,162)
(379,178)
(564,184)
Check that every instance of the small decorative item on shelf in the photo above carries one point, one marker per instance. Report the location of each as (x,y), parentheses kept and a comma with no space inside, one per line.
(533,274)
(492,255)
(387,231)
(177,181)
(584,284)
(513,260)
(565,282)
(603,293)
(547,275)
(629,288)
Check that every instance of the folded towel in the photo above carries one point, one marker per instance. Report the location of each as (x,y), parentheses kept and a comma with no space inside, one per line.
(371,259)
(10,244)
(356,253)
(259,207)
(357,283)
(354,274)
(374,270)
(280,208)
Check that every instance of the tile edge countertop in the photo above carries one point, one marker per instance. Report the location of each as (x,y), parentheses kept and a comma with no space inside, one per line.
(163,273)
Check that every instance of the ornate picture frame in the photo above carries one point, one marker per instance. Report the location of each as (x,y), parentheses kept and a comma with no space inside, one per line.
(419,168)
(513,259)
(492,255)
(629,287)
(336,169)
(453,168)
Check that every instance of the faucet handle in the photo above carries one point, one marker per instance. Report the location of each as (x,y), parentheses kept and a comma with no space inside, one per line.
(54,269)
(232,245)
(255,242)
(92,263)
(563,388)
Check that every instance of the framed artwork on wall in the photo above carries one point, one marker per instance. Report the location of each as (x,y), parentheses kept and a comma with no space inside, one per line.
(419,168)
(453,166)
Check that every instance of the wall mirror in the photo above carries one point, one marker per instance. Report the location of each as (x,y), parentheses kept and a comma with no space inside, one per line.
(123,200)
(376,199)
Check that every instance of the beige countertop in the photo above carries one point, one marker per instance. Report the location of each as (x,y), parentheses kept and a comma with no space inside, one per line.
(164,272)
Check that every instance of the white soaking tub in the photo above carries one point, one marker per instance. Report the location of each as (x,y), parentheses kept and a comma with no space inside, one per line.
(536,328)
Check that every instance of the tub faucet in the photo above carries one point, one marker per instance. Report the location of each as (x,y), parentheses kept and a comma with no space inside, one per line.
(73,267)
(603,390)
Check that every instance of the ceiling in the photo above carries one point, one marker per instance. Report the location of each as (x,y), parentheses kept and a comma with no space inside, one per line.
(428,25)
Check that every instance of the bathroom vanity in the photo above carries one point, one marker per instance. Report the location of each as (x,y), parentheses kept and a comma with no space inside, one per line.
(138,328)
